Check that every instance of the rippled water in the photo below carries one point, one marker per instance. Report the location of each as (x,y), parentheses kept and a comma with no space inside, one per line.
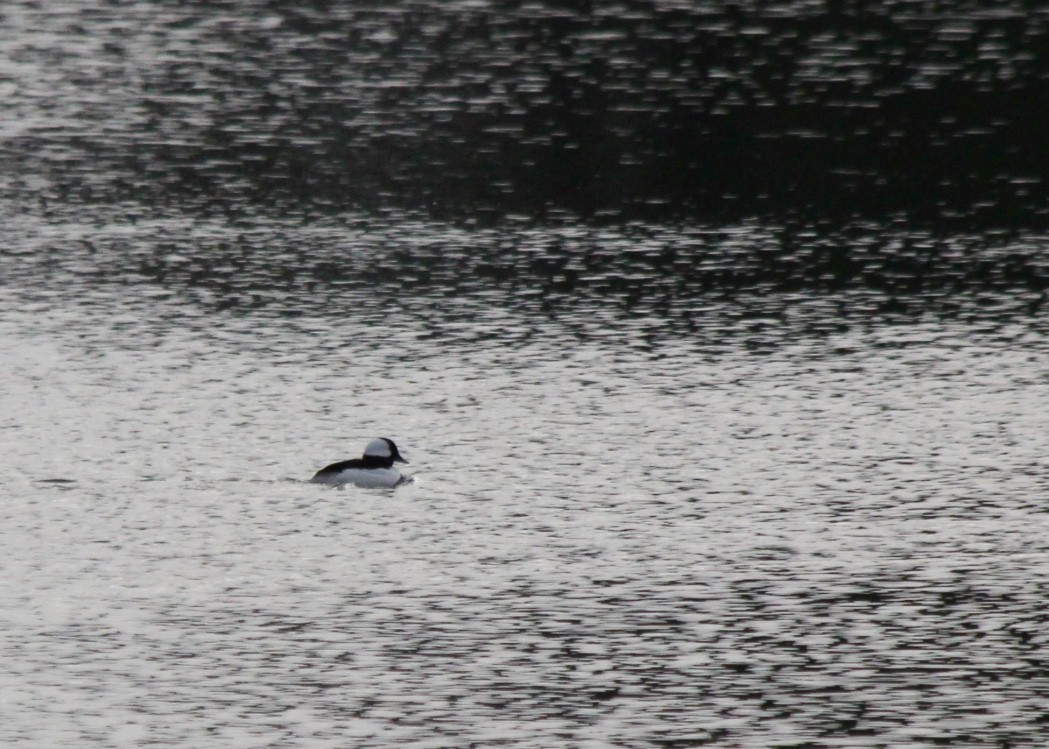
(631,108)
(650,508)
(723,388)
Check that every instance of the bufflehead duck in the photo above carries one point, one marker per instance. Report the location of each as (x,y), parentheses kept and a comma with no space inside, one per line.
(375,468)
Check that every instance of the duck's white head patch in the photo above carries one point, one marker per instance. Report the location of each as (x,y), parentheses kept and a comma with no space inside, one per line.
(378,448)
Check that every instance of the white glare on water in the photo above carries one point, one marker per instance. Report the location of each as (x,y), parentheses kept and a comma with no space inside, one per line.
(620,533)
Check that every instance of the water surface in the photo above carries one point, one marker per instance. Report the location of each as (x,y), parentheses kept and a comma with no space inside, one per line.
(713,332)
(648,511)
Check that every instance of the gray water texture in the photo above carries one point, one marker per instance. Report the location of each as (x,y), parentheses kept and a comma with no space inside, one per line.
(713,109)
(694,465)
(643,514)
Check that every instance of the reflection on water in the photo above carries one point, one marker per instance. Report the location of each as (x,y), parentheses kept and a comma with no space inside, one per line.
(634,285)
(632,108)
(736,486)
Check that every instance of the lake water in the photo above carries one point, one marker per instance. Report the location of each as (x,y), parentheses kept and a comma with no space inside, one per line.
(694,464)
(747,519)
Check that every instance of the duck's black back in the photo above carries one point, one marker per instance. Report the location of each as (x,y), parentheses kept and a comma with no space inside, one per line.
(368,461)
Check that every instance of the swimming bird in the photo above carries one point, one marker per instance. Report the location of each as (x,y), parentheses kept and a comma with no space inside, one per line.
(374,468)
